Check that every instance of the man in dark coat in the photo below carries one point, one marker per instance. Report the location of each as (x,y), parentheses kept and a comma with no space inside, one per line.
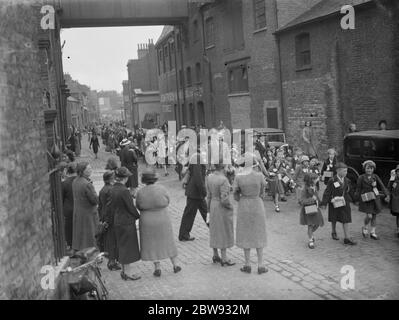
(196,194)
(67,201)
(125,216)
(128,159)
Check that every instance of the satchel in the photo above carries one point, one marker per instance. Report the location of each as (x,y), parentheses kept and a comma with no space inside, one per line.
(368,196)
(327,174)
(311,209)
(338,202)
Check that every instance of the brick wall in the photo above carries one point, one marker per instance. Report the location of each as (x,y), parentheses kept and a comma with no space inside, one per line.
(351,79)
(25,224)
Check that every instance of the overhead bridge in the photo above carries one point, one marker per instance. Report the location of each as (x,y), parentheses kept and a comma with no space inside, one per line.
(113,13)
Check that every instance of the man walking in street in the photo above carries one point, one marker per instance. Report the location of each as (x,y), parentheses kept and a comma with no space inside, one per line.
(128,159)
(196,194)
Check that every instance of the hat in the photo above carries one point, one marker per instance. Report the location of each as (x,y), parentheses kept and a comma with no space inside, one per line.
(369,163)
(81,167)
(304,158)
(122,172)
(149,176)
(125,142)
(341,165)
(108,175)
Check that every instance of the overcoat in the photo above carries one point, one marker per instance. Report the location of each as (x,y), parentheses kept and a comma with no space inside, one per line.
(85,215)
(329,165)
(393,188)
(94,143)
(67,203)
(221,225)
(125,216)
(365,185)
(156,232)
(251,216)
(337,189)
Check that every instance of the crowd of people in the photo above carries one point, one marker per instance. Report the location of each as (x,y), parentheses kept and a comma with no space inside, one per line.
(108,220)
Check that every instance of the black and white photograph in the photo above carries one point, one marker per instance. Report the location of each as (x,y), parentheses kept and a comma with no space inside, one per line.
(220,152)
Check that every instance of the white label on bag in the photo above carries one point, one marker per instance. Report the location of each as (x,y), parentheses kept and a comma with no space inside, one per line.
(336,184)
(376,191)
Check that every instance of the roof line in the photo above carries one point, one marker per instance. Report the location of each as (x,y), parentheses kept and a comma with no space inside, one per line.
(321,18)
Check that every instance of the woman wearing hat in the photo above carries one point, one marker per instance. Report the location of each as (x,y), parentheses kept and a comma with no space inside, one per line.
(125,216)
(299,175)
(221,225)
(94,143)
(367,192)
(85,215)
(249,187)
(156,232)
(393,188)
(338,196)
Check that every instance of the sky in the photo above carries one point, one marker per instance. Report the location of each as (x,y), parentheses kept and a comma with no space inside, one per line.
(97,57)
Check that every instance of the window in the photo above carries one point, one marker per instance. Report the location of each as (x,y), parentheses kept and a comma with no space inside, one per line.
(159,61)
(166,57)
(198,72)
(188,76)
(302,49)
(171,56)
(259,14)
(209,32)
(238,79)
(233,26)
(195,31)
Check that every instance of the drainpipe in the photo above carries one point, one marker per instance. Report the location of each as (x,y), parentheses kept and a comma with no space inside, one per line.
(279,71)
(208,62)
(182,75)
(178,113)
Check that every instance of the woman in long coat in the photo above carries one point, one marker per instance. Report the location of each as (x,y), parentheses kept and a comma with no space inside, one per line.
(156,232)
(337,188)
(67,201)
(125,216)
(94,143)
(393,188)
(248,189)
(85,215)
(221,225)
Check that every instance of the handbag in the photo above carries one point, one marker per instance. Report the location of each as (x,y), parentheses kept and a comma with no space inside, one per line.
(338,202)
(311,209)
(368,196)
(327,174)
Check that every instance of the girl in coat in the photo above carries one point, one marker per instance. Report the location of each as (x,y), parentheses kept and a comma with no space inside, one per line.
(299,176)
(367,192)
(221,226)
(338,196)
(314,168)
(328,170)
(310,214)
(156,232)
(276,172)
(393,188)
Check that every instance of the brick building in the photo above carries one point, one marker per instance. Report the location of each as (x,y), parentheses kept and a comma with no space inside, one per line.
(226,60)
(333,77)
(33,126)
(143,86)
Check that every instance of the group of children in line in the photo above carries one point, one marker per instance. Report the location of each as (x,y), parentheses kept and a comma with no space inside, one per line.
(288,172)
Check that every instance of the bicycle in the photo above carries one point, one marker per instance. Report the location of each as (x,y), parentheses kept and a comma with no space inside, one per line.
(85,281)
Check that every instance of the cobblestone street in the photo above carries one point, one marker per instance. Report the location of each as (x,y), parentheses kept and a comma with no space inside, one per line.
(295,272)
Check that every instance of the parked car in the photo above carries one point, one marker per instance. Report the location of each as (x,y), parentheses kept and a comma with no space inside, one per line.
(381,146)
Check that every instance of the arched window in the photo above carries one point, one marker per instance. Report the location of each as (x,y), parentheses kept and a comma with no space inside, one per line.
(188,76)
(198,76)
(201,113)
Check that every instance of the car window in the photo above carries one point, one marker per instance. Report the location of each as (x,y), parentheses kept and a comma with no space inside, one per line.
(275,137)
(384,148)
(353,147)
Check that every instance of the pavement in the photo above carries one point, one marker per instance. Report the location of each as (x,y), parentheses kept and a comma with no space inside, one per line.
(295,271)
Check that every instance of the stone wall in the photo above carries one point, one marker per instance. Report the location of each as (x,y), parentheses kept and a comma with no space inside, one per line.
(25,206)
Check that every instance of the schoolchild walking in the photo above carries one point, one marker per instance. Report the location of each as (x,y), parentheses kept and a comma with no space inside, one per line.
(393,188)
(368,193)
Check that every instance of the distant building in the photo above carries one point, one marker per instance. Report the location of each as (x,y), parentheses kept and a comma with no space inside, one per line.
(142,89)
